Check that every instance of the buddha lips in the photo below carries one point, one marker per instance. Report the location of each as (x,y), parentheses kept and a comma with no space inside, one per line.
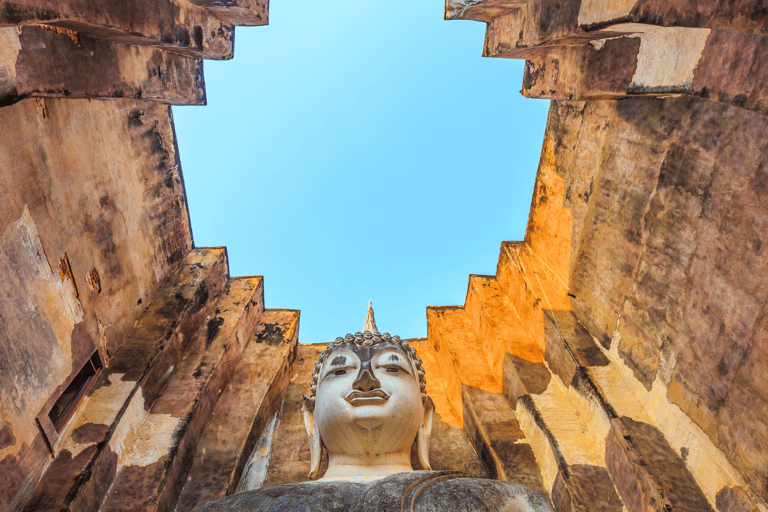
(375,397)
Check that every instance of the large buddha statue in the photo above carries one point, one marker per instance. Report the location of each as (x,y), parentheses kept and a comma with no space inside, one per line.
(367,407)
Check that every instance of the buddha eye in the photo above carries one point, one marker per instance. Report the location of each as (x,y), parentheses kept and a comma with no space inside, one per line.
(340,372)
(393,369)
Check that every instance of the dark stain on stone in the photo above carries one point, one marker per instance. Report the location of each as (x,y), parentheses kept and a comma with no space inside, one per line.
(583,383)
(684,453)
(62,479)
(198,371)
(605,341)
(198,31)
(13,477)
(605,72)
(90,433)
(17,14)
(586,488)
(6,436)
(483,450)
(137,486)
(155,140)
(103,471)
(273,334)
(103,237)
(557,16)
(93,280)
(530,406)
(533,376)
(740,100)
(532,72)
(200,298)
(134,117)
(663,466)
(733,499)
(338,361)
(92,484)
(181,301)
(214,324)
(678,172)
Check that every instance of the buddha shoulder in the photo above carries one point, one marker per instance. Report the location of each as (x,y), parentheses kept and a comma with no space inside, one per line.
(433,491)
(417,491)
(296,497)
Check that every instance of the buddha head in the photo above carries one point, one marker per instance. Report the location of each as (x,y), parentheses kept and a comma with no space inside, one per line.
(367,407)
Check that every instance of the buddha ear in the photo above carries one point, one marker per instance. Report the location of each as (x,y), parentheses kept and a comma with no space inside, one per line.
(315,443)
(425,430)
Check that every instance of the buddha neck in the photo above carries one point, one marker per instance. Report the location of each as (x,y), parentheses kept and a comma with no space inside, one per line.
(366,467)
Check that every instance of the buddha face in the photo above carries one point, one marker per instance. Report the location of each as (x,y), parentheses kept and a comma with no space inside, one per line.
(368,400)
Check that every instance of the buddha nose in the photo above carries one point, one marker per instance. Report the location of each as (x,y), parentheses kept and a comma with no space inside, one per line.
(366,382)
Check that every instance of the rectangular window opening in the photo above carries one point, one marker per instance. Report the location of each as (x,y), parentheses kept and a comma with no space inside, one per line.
(64,407)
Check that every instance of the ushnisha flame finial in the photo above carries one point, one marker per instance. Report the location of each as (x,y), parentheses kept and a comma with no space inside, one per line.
(370,322)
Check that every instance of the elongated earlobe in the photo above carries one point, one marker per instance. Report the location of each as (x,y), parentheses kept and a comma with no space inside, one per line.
(315,443)
(425,430)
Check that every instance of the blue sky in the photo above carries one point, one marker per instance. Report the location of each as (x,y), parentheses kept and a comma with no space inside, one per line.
(361,150)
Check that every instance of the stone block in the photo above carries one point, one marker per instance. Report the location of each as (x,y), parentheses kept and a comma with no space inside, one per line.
(498,323)
(246,406)
(127,388)
(51,63)
(152,464)
(238,12)
(569,346)
(714,64)
(521,378)
(477,10)
(521,29)
(585,488)
(180,27)
(491,425)
(648,473)
(734,499)
(289,452)
(451,450)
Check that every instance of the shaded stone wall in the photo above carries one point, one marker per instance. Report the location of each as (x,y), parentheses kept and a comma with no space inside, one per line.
(93,218)
(98,258)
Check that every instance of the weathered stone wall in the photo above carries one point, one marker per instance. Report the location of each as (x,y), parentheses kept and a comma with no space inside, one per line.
(97,252)
(92,192)
(631,332)
(137,49)
(669,264)
(641,278)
